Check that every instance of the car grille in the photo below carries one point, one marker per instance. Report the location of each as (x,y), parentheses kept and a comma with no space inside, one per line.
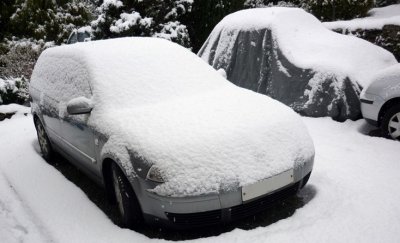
(234,213)
(261,204)
(195,219)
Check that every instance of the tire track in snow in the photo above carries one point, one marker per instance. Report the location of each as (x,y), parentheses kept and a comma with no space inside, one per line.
(17,222)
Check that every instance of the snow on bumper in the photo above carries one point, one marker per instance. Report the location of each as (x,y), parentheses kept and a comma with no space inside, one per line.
(162,207)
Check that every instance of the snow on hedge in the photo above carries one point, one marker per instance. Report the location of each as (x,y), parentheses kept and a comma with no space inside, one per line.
(173,110)
(378,17)
(13,90)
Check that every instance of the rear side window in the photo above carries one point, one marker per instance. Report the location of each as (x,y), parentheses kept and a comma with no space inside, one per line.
(61,78)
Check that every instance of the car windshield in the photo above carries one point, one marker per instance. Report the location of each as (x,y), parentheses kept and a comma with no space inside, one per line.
(140,71)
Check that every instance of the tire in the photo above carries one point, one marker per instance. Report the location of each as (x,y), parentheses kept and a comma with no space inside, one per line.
(44,142)
(131,215)
(391,123)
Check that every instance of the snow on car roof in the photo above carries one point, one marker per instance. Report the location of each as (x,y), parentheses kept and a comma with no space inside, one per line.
(306,42)
(170,108)
(138,71)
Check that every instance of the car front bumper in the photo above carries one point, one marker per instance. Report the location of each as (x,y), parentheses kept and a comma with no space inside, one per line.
(204,210)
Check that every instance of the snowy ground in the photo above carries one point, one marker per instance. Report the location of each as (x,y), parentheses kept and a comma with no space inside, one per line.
(354,190)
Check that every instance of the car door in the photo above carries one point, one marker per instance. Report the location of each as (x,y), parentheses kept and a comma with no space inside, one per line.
(77,136)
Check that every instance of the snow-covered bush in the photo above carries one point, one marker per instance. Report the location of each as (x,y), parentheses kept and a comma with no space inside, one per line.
(270,3)
(381,27)
(325,10)
(14,90)
(176,32)
(18,57)
(383,3)
(204,15)
(329,10)
(156,18)
(387,37)
(48,20)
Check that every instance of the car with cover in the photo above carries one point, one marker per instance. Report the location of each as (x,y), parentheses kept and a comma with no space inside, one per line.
(169,138)
(289,55)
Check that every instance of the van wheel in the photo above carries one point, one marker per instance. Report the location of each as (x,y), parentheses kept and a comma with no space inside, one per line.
(128,206)
(44,142)
(391,123)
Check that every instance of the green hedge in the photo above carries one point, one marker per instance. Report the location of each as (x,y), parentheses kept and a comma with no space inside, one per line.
(330,10)
(14,90)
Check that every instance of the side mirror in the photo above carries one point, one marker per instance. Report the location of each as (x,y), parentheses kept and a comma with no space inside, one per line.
(80,105)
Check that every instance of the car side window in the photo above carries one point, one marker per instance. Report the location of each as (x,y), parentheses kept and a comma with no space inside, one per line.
(76,82)
(63,79)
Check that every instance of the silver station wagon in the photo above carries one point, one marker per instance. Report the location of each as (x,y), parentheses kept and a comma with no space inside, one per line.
(170,139)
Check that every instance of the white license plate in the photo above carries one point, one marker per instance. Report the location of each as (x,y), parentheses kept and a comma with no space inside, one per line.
(267,185)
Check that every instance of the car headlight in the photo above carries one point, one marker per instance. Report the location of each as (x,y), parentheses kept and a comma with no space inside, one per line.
(155,175)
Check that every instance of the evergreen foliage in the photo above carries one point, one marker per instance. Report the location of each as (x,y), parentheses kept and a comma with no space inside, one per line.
(205,15)
(157,18)
(383,3)
(48,20)
(330,10)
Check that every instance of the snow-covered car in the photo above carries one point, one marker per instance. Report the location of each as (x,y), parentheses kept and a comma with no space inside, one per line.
(380,102)
(168,137)
(287,54)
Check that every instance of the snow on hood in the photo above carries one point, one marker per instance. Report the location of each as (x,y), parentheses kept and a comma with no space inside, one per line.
(175,111)
(216,141)
(306,42)
(386,83)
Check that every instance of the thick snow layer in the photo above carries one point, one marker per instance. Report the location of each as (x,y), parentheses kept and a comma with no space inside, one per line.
(175,111)
(386,83)
(378,17)
(356,194)
(305,42)
(388,74)
(15,108)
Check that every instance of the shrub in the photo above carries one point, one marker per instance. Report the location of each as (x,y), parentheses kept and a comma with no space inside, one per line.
(48,20)
(383,3)
(119,18)
(330,10)
(270,3)
(14,90)
(204,15)
(18,57)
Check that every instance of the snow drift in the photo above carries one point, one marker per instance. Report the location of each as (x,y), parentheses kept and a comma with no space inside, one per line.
(290,56)
(172,110)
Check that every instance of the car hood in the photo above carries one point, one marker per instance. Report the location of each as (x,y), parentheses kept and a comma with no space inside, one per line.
(211,142)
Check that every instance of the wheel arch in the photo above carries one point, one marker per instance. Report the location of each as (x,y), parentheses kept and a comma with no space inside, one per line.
(388,104)
(106,171)
(35,117)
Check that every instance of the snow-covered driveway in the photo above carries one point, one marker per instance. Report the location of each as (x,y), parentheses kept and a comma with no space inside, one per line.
(356,182)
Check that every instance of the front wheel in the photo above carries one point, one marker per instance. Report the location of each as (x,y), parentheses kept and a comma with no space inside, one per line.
(44,142)
(128,205)
(391,123)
